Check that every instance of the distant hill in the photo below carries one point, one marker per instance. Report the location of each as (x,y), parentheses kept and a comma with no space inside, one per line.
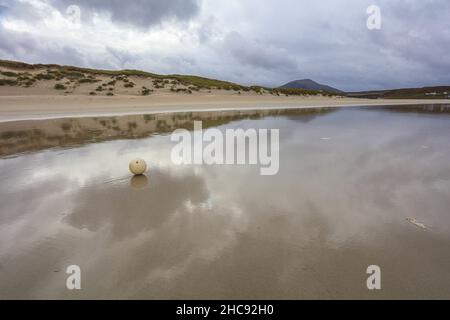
(309,84)
(438,92)
(435,92)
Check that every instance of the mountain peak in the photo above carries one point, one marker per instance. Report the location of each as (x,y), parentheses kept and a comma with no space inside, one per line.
(310,84)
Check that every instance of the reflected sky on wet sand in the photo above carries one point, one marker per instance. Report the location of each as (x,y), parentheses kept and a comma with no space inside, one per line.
(348,180)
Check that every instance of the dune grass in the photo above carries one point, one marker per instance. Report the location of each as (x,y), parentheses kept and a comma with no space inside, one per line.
(60,86)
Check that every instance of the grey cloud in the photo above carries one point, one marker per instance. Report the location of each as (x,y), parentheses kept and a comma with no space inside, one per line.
(259,55)
(23,47)
(122,57)
(2,9)
(419,32)
(138,13)
(11,44)
(20,10)
(184,64)
(207,30)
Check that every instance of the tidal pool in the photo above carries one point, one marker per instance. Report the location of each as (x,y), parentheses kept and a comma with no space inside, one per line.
(349,179)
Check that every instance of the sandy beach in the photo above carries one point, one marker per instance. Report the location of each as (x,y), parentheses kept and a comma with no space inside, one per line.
(43,106)
(214,158)
(351,184)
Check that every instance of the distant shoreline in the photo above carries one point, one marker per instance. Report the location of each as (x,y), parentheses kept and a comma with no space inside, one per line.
(29,107)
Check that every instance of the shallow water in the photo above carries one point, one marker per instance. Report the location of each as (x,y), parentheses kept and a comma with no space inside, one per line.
(348,180)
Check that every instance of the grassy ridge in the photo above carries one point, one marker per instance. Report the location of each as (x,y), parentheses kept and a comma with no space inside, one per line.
(88,74)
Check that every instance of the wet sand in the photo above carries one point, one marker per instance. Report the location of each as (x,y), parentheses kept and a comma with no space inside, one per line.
(41,106)
(349,179)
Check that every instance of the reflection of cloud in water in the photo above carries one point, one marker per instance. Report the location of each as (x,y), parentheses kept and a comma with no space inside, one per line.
(226,231)
(128,211)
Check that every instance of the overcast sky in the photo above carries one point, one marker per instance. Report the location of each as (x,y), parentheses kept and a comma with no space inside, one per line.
(266,42)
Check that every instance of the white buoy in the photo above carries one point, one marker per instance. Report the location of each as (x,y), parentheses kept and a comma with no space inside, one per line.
(138,166)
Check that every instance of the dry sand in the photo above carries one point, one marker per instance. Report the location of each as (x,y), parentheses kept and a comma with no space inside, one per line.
(40,106)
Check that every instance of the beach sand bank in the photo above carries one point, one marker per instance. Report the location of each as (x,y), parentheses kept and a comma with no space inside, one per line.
(24,107)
